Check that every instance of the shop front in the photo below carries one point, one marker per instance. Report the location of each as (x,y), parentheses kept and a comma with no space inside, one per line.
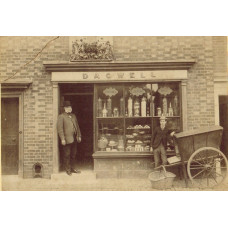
(118,105)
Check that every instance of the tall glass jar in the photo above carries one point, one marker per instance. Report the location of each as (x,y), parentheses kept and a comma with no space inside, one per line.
(136,107)
(170,110)
(164,106)
(109,106)
(99,107)
(104,111)
(130,106)
(121,106)
(143,107)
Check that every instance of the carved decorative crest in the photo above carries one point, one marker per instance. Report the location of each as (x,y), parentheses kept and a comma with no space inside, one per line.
(110,91)
(99,50)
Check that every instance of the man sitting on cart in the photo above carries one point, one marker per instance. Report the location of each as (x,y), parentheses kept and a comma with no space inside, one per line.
(159,142)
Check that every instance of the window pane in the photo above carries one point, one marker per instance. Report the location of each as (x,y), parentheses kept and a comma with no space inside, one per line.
(110,98)
(166,99)
(138,134)
(137,100)
(127,114)
(110,135)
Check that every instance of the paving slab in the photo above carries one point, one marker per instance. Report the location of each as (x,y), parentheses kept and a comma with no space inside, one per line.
(87,182)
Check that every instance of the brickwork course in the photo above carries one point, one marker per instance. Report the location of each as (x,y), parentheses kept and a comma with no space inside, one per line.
(210,54)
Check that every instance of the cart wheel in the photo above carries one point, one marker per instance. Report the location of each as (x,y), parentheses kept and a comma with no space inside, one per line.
(207,167)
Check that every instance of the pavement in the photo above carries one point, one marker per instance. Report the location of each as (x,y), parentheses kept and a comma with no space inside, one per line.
(86,181)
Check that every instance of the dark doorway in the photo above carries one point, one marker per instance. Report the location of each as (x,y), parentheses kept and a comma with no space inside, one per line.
(223,116)
(81,98)
(9,135)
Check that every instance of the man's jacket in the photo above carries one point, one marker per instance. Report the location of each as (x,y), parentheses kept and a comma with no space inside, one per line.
(160,136)
(68,128)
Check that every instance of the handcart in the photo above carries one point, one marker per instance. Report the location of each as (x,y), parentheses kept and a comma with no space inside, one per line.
(199,150)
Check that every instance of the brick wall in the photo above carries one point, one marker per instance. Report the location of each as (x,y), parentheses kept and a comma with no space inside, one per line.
(220,56)
(200,86)
(38,124)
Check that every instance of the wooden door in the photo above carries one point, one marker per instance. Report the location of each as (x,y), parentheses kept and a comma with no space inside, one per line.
(10,135)
(223,114)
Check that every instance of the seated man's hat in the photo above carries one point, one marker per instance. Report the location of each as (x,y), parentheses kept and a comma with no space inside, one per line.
(66,104)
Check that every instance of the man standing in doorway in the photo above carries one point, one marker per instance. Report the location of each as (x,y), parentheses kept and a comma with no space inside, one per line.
(69,133)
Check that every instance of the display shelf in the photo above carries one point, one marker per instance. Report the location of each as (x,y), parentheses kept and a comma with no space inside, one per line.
(124,154)
(126,117)
(137,128)
(105,129)
(166,116)
(119,100)
(137,117)
(169,152)
(119,117)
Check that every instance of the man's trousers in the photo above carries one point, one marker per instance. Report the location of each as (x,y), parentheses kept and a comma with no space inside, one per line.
(160,152)
(69,154)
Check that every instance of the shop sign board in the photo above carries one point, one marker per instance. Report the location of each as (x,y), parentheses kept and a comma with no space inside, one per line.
(119,76)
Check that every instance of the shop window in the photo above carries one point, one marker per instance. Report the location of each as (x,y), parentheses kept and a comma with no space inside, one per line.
(126,114)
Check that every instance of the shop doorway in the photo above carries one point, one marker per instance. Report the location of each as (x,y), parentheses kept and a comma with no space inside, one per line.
(10,135)
(223,117)
(81,98)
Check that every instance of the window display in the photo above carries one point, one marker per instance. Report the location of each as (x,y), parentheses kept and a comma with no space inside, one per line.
(109,101)
(110,135)
(137,100)
(127,113)
(165,99)
(138,134)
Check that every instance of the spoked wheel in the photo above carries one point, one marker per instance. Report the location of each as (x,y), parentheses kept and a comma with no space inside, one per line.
(207,167)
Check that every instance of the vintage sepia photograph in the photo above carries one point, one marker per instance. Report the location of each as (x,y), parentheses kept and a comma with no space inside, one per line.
(114,113)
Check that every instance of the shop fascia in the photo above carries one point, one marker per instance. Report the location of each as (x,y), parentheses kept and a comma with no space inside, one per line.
(119,76)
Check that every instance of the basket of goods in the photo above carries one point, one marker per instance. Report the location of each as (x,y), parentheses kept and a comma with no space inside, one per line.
(102,142)
(161,179)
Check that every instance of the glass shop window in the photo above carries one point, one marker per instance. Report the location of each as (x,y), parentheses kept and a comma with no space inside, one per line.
(127,113)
